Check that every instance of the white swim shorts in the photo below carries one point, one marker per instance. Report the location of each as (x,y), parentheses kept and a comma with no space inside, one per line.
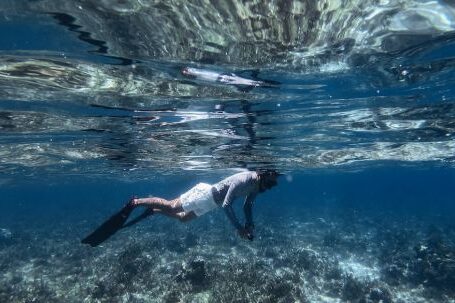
(199,199)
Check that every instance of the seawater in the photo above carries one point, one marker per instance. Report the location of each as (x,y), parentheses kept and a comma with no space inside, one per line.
(94,109)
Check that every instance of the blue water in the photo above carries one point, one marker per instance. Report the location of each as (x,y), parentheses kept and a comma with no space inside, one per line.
(94,109)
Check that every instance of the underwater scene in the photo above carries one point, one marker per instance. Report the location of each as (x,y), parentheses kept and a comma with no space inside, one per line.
(227,151)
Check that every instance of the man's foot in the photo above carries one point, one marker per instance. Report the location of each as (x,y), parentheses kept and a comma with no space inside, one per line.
(134,201)
(130,205)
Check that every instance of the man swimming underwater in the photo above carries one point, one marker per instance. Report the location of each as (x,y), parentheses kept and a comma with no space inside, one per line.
(199,200)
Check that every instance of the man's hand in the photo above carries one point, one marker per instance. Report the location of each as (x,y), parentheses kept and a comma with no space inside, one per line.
(246,234)
(249,227)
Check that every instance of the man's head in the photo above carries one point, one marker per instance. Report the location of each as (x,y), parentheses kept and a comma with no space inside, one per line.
(267,178)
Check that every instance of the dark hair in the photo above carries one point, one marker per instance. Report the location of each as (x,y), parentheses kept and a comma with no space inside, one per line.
(267,173)
(267,178)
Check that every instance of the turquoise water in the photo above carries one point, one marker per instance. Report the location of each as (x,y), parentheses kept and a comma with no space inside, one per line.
(352,101)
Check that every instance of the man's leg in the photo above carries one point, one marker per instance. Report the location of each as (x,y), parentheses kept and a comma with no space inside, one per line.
(172,208)
(168,206)
(182,216)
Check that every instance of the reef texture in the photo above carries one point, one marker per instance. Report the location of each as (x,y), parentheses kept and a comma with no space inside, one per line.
(299,257)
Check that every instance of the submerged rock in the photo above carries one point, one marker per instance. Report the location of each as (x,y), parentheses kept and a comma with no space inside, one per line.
(434,266)
(379,294)
(6,237)
(353,289)
(193,272)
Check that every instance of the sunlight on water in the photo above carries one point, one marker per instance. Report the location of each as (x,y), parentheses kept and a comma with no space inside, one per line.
(242,85)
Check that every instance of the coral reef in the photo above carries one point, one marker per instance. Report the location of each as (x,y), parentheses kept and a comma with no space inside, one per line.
(331,258)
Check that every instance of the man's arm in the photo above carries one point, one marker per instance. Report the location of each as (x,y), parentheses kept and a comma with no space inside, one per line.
(231,215)
(227,206)
(248,210)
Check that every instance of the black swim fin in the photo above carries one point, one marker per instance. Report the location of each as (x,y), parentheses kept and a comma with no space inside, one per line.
(145,214)
(108,228)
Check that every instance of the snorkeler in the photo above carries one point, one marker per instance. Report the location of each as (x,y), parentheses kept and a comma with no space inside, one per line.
(199,200)
(243,84)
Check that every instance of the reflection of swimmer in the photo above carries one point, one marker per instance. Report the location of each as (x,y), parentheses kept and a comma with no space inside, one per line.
(241,83)
(194,203)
